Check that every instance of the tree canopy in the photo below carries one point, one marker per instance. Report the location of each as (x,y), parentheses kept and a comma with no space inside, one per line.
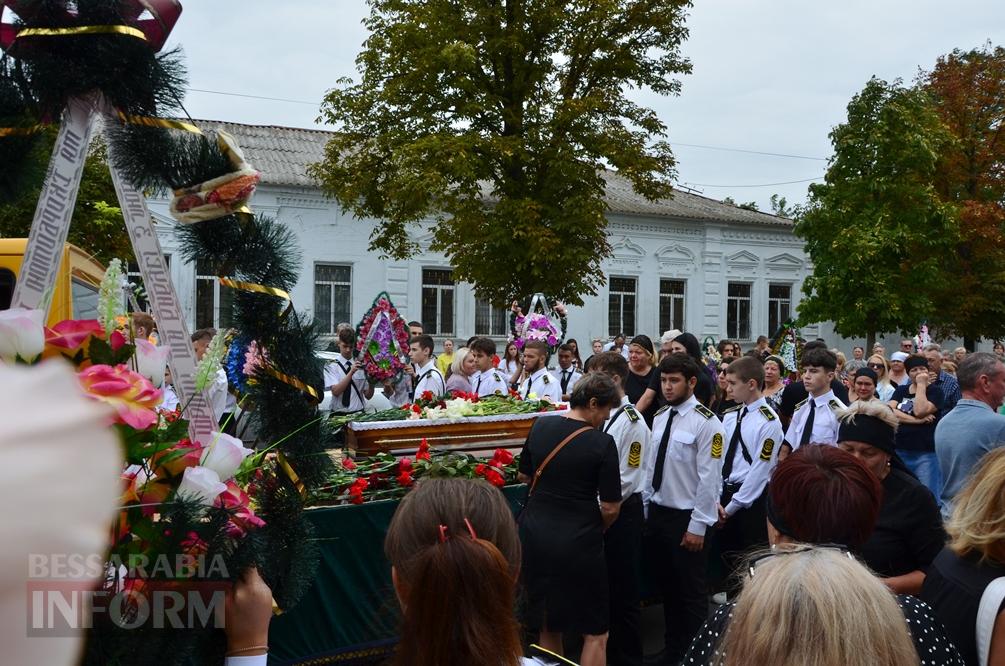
(494,121)
(876,230)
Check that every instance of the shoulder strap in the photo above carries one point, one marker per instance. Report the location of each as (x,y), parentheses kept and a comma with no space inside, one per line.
(987,613)
(540,470)
(610,422)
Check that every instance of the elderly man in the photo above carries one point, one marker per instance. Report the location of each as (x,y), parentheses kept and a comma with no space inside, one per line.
(974,427)
(941,379)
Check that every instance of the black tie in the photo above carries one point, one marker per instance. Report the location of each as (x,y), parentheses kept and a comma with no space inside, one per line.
(661,453)
(526,394)
(808,428)
(478,389)
(565,382)
(734,441)
(346,397)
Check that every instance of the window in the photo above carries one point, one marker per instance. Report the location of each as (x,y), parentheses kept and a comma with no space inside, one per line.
(136,292)
(214,303)
(490,320)
(437,301)
(621,307)
(671,305)
(738,311)
(84,299)
(332,303)
(779,306)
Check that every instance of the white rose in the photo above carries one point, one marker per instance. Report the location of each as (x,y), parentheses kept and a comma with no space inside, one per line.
(151,361)
(22,334)
(224,455)
(202,484)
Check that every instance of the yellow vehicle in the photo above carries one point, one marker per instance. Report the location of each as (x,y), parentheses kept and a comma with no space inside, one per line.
(75,294)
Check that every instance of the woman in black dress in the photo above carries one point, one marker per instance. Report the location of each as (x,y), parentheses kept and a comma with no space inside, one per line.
(704,390)
(909,532)
(641,360)
(562,526)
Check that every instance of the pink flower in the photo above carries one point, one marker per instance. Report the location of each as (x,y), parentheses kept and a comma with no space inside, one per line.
(71,334)
(175,460)
(116,340)
(243,518)
(22,334)
(151,360)
(131,394)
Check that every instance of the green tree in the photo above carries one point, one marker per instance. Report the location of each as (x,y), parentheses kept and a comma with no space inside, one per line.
(495,120)
(750,205)
(780,207)
(876,230)
(97,226)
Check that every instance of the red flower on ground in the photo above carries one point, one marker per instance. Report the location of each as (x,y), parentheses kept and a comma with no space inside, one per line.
(423,452)
(503,457)
(405,480)
(480,469)
(347,463)
(495,478)
(405,465)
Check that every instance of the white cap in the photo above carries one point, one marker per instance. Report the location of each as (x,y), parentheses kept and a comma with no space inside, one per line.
(669,336)
(898,356)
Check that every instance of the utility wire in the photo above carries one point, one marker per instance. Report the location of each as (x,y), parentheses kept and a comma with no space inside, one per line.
(788,182)
(752,152)
(271,99)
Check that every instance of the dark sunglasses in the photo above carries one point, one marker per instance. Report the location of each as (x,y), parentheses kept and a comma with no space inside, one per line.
(759,559)
(876,366)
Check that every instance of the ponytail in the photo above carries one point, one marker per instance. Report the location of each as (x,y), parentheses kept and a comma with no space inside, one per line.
(459,606)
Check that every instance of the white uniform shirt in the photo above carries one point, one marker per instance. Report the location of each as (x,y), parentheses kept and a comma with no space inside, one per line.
(217,394)
(336,372)
(169,402)
(761,436)
(542,385)
(825,423)
(490,382)
(399,396)
(429,378)
(692,471)
(631,434)
(574,376)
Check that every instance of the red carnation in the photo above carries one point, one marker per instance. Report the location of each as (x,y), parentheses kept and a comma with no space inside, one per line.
(495,478)
(405,479)
(347,463)
(405,465)
(503,457)
(427,395)
(423,452)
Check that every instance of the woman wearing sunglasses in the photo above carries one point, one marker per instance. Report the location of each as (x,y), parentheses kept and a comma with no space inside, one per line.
(878,364)
(807,612)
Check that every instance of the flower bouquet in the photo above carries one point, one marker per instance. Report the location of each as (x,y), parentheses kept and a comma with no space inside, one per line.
(787,346)
(385,477)
(382,339)
(538,325)
(454,407)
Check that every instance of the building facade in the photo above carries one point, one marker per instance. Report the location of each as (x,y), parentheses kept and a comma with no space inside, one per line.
(689,263)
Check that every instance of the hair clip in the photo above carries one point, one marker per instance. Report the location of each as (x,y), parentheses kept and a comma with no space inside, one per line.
(471,530)
(443,533)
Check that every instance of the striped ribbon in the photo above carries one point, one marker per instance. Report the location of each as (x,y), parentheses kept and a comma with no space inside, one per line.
(285,465)
(294,382)
(83,30)
(166,123)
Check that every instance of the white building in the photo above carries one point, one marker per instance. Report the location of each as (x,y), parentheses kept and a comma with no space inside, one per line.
(690,263)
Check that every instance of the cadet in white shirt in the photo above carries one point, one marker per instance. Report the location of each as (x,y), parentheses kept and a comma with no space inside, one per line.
(539,381)
(566,374)
(815,419)
(623,539)
(684,472)
(488,380)
(753,436)
(427,376)
(344,378)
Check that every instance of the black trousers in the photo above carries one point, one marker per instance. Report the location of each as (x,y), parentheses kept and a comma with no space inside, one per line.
(680,576)
(745,531)
(623,551)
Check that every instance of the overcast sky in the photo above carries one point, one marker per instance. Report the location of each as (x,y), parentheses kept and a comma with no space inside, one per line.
(769,75)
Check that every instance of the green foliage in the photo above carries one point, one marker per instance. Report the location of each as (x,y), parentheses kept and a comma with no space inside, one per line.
(495,121)
(750,205)
(780,207)
(876,230)
(97,226)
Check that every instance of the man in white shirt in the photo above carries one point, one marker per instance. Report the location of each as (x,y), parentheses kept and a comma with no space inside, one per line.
(754,434)
(623,539)
(539,384)
(345,379)
(566,374)
(488,380)
(618,345)
(684,476)
(427,375)
(815,419)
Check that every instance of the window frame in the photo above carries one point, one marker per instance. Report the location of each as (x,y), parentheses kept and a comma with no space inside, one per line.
(443,291)
(618,328)
(669,299)
(333,319)
(775,304)
(493,312)
(737,301)
(218,288)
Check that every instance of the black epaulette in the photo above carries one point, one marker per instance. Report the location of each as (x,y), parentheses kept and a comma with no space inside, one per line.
(547,378)
(835,404)
(800,404)
(704,411)
(495,376)
(732,409)
(767,413)
(661,410)
(633,415)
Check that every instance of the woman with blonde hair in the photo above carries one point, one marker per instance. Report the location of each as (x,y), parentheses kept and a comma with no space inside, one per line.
(973,559)
(878,364)
(462,367)
(801,605)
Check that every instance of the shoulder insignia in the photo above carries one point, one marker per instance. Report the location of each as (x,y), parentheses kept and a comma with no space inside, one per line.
(766,449)
(766,412)
(717,445)
(547,378)
(802,402)
(704,411)
(661,410)
(635,454)
(733,409)
(495,376)
(632,415)
(835,404)
(498,392)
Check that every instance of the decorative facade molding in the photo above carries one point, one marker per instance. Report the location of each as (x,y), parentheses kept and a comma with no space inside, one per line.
(626,252)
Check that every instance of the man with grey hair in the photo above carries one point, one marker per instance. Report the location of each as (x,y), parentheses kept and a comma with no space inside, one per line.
(941,379)
(974,427)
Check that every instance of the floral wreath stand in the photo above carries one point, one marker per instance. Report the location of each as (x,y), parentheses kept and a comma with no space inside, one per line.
(537,323)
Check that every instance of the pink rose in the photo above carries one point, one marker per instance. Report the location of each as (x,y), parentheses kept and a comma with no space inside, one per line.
(71,334)
(131,394)
(242,518)
(151,361)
